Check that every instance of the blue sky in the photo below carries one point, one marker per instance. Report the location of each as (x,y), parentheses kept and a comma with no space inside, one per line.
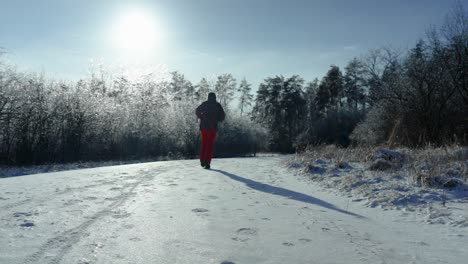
(204,38)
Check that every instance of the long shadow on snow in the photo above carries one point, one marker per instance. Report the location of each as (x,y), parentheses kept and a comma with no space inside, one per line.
(285,193)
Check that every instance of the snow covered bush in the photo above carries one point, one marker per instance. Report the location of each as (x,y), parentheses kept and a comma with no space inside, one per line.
(423,178)
(375,128)
(239,136)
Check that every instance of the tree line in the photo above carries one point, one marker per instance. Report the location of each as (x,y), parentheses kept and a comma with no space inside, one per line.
(387,96)
(114,117)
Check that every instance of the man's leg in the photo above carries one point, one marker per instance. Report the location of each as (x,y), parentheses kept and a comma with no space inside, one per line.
(203,148)
(210,146)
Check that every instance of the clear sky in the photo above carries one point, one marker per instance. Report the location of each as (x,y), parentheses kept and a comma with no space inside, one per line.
(204,38)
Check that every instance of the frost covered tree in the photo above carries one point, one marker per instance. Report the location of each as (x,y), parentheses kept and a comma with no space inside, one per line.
(105,117)
(225,88)
(203,89)
(245,98)
(180,87)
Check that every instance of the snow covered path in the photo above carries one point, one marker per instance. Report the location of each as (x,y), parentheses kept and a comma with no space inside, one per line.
(247,210)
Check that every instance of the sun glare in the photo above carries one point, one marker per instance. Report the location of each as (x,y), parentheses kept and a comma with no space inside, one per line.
(136,32)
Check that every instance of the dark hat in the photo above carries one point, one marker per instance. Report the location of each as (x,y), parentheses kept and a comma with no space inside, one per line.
(212,96)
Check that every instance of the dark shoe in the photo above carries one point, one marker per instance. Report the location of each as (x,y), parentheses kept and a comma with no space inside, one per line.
(207,166)
(203,163)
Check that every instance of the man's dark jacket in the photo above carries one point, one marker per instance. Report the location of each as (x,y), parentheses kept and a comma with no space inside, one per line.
(210,113)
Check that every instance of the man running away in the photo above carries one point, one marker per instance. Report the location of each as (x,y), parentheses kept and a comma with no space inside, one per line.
(210,113)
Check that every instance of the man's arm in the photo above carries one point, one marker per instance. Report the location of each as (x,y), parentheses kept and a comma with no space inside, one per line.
(221,114)
(198,111)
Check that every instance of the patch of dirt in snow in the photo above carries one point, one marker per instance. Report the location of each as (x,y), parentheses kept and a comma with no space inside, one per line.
(394,189)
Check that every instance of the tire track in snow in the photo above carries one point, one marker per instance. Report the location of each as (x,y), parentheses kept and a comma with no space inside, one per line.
(15,204)
(67,190)
(63,243)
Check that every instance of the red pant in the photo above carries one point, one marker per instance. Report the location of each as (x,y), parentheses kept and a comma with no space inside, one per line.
(207,147)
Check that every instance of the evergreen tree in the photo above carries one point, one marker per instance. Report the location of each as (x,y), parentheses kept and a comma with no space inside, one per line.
(280,107)
(354,84)
(334,83)
(330,92)
(310,96)
(323,98)
(294,106)
(246,97)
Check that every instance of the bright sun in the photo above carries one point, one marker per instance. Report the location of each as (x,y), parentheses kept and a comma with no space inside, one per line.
(136,32)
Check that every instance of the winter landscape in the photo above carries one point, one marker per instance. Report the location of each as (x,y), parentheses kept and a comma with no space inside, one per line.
(233,132)
(246,210)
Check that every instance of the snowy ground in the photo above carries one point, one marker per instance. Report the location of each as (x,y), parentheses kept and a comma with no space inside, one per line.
(247,210)
(13,171)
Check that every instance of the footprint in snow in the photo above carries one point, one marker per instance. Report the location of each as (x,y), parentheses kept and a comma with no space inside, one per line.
(421,243)
(244,233)
(239,239)
(305,240)
(199,210)
(209,197)
(128,226)
(72,202)
(119,215)
(288,244)
(247,231)
(27,224)
(19,214)
(227,262)
(97,245)
(84,261)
